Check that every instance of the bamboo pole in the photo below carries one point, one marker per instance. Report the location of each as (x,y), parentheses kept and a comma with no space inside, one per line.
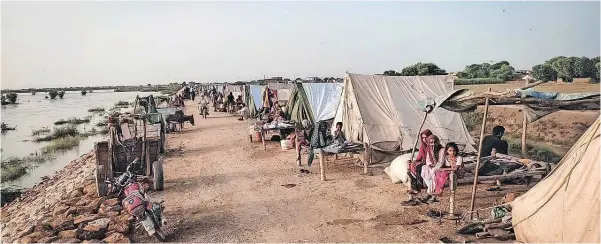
(478,159)
(453,186)
(322,168)
(524,128)
(298,148)
(366,158)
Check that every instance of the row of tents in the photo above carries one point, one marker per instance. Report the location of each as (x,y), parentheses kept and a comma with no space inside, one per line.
(386,112)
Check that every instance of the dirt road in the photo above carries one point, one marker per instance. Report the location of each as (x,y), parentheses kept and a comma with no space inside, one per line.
(227,189)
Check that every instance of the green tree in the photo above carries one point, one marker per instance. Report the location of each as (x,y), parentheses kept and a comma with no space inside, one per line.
(505,72)
(409,71)
(391,73)
(544,72)
(500,64)
(429,69)
(597,78)
(584,68)
(84,92)
(61,94)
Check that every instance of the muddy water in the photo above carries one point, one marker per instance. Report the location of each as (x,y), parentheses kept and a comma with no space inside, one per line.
(34,112)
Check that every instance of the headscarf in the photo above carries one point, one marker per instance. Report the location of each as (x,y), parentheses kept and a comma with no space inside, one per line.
(435,150)
(424,145)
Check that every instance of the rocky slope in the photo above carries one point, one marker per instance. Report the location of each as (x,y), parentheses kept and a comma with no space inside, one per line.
(66,208)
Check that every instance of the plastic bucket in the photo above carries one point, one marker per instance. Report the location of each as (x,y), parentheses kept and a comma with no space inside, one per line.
(258,136)
(285,144)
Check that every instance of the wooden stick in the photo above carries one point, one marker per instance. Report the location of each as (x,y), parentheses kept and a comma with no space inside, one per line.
(482,235)
(298,148)
(366,157)
(322,168)
(453,185)
(532,85)
(263,139)
(496,226)
(490,221)
(478,159)
(524,127)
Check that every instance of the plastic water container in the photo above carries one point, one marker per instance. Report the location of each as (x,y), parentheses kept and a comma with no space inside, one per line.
(285,144)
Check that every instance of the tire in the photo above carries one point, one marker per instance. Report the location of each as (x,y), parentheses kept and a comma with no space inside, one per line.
(158,234)
(101,187)
(158,181)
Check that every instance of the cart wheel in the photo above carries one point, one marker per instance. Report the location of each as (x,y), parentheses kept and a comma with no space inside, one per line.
(101,187)
(158,180)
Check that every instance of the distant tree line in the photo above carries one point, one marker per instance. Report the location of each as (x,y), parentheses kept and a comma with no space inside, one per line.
(567,68)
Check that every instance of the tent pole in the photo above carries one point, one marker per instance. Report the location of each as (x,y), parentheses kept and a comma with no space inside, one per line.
(322,168)
(478,159)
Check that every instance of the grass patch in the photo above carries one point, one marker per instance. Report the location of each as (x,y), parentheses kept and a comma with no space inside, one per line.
(60,132)
(41,131)
(121,103)
(62,144)
(102,123)
(13,168)
(472,120)
(534,152)
(73,121)
(96,110)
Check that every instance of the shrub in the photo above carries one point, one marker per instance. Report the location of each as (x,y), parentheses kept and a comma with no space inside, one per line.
(62,144)
(12,98)
(53,94)
(122,103)
(472,120)
(102,123)
(60,132)
(61,94)
(12,169)
(96,110)
(544,154)
(40,131)
(73,121)
(479,81)
(84,92)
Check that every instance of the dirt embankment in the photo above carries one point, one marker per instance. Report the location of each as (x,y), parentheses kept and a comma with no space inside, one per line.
(560,130)
(65,208)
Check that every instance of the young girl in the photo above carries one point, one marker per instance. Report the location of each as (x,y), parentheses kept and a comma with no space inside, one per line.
(452,162)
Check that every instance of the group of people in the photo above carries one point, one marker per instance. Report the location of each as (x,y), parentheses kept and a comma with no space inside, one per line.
(434,163)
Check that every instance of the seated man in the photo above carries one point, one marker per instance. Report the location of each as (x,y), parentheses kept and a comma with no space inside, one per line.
(243,111)
(338,134)
(494,141)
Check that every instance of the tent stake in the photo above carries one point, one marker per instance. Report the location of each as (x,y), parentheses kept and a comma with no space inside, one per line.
(322,168)
(478,159)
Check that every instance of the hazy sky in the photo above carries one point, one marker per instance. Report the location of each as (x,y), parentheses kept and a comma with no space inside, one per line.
(46,44)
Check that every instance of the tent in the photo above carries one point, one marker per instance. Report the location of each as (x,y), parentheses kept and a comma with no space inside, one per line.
(386,111)
(564,206)
(254,100)
(314,101)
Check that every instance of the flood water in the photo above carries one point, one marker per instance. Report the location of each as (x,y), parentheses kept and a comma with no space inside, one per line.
(34,112)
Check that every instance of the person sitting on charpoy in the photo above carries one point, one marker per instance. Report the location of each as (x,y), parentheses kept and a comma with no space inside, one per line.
(433,161)
(338,134)
(494,141)
(415,167)
(452,162)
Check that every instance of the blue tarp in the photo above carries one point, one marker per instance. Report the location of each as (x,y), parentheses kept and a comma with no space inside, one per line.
(255,93)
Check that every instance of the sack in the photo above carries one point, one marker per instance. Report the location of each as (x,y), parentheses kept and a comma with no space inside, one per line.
(398,171)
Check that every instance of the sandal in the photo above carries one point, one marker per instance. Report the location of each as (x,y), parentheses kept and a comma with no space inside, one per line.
(411,203)
(425,199)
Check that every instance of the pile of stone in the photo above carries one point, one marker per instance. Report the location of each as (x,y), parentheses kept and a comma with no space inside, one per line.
(66,209)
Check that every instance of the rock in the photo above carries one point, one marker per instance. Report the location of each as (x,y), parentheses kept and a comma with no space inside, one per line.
(509,197)
(90,232)
(112,213)
(103,223)
(25,232)
(111,202)
(44,227)
(93,241)
(72,210)
(121,224)
(63,223)
(67,234)
(90,190)
(116,238)
(84,219)
(33,237)
(116,208)
(82,202)
(67,241)
(95,204)
(71,201)
(48,239)
(60,210)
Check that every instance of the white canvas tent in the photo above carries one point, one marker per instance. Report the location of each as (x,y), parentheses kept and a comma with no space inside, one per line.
(378,110)
(564,206)
(314,101)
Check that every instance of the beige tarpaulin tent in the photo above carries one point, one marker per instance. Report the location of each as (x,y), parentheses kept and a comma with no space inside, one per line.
(385,110)
(564,207)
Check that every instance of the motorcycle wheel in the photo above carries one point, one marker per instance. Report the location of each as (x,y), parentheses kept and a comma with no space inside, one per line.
(158,180)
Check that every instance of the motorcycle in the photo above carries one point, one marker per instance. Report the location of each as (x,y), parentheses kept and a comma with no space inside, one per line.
(137,203)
